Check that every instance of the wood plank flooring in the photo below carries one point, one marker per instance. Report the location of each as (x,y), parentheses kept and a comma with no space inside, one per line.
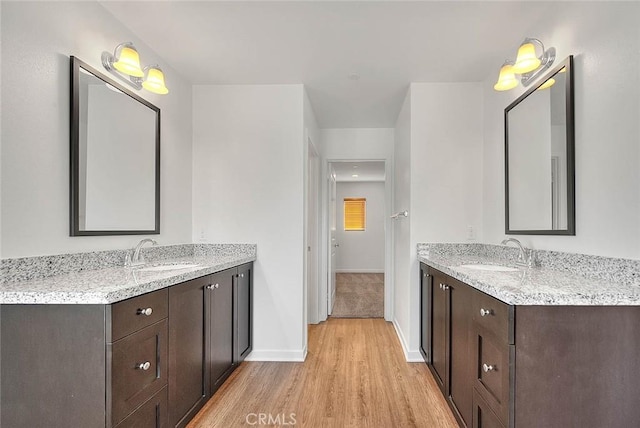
(355,375)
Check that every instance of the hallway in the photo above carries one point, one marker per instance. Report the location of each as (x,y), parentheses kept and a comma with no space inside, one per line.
(355,375)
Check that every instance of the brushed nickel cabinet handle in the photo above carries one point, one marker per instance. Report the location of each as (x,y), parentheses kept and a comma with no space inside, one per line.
(145,311)
(485,312)
(488,368)
(143,366)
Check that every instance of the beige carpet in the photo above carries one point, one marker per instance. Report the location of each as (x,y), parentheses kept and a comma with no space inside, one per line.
(359,295)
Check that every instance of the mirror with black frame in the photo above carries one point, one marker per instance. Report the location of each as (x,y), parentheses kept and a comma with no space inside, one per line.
(539,157)
(115,157)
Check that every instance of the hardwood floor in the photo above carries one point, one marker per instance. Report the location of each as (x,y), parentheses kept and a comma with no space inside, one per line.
(355,375)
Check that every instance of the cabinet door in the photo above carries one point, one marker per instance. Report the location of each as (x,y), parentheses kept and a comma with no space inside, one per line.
(243,305)
(483,416)
(461,358)
(138,369)
(439,330)
(221,327)
(152,414)
(426,289)
(188,370)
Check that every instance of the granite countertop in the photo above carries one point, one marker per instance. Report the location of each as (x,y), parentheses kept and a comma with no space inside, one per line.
(112,284)
(536,285)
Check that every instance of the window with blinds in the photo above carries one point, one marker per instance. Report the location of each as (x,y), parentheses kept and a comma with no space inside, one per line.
(355,213)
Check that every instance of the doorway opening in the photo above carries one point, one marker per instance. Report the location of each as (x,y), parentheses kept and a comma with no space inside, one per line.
(358,214)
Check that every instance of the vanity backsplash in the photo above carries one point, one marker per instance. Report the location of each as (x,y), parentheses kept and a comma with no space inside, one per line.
(616,270)
(29,268)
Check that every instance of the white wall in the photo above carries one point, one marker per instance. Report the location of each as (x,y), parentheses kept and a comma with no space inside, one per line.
(248,175)
(37,40)
(1,122)
(357,143)
(361,251)
(360,144)
(402,226)
(603,37)
(437,161)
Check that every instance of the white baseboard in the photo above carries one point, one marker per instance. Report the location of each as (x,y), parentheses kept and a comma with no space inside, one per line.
(359,270)
(410,356)
(277,355)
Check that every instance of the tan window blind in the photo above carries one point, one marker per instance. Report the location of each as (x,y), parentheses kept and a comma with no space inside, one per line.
(355,213)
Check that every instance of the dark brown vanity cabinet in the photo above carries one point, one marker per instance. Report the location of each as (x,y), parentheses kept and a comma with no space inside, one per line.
(231,303)
(85,365)
(445,313)
(483,416)
(208,316)
(221,327)
(531,366)
(244,309)
(426,287)
(493,352)
(188,349)
(151,361)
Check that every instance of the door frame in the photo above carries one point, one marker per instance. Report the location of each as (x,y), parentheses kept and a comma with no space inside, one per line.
(312,222)
(325,254)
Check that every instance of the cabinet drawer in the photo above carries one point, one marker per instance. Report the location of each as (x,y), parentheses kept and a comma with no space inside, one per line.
(138,369)
(133,314)
(152,414)
(494,316)
(483,416)
(493,370)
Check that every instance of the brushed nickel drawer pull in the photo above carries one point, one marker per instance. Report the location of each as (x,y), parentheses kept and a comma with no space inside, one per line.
(212,286)
(488,368)
(485,312)
(143,366)
(145,311)
(445,287)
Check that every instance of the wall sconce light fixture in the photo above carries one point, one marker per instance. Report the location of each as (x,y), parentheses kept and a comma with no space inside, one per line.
(125,61)
(507,78)
(527,64)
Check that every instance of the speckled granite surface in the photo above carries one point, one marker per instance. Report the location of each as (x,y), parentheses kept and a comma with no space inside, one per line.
(100,278)
(28,268)
(557,279)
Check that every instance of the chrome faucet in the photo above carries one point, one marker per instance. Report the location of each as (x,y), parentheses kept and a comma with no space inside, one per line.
(525,258)
(133,257)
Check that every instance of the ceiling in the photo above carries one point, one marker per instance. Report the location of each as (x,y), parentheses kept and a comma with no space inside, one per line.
(356,59)
(365,171)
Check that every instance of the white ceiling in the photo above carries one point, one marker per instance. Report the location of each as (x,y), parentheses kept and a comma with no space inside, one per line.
(365,171)
(386,44)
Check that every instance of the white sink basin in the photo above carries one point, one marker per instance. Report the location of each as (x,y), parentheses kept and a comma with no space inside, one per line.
(494,268)
(175,266)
